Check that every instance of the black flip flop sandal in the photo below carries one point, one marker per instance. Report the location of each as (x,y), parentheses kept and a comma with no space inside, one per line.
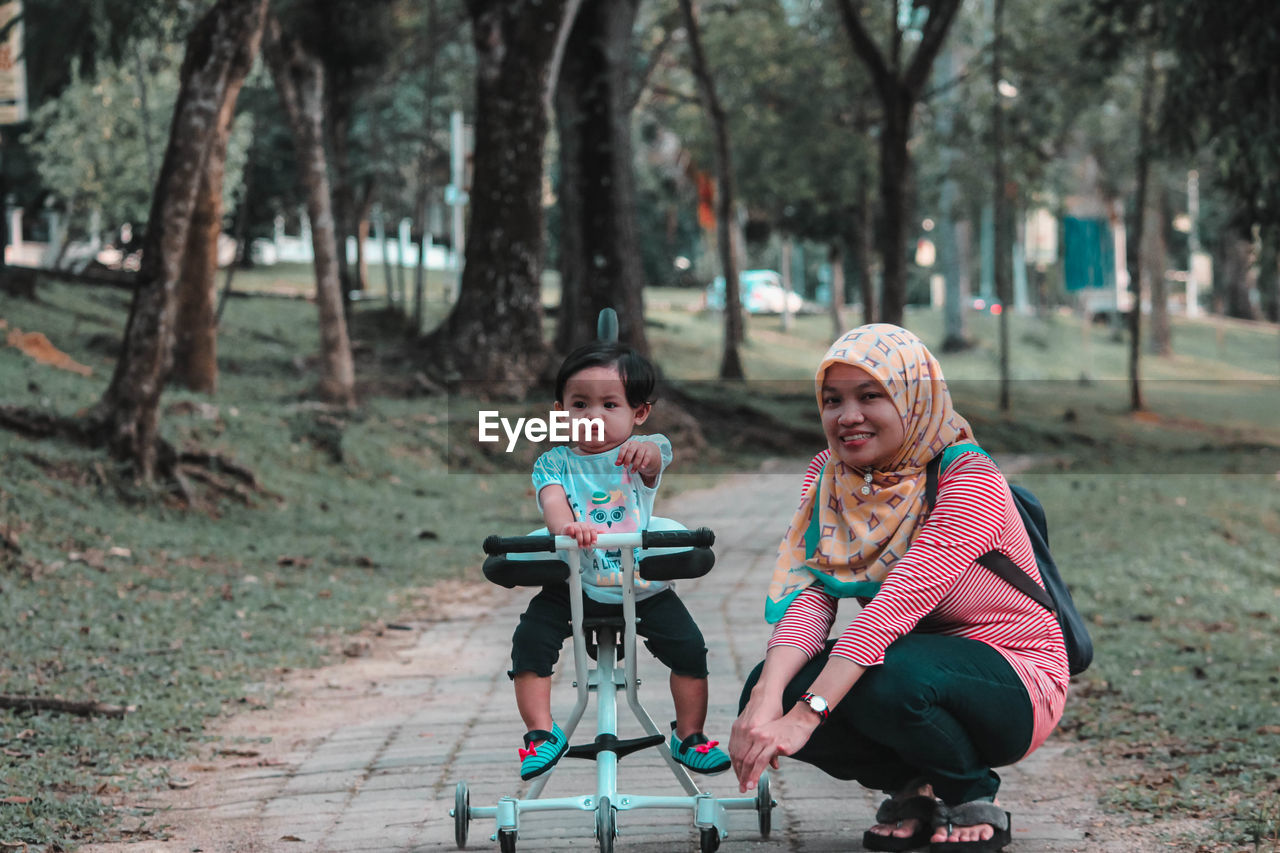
(974,814)
(897,809)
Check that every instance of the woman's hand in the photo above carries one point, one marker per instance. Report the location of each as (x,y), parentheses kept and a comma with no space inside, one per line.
(744,734)
(759,737)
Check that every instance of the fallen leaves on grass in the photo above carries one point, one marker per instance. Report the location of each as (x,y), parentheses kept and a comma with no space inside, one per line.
(35,345)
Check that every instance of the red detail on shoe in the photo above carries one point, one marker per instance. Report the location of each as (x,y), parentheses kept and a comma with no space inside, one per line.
(528,753)
(704,748)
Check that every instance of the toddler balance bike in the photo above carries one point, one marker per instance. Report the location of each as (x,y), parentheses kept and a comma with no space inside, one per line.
(668,551)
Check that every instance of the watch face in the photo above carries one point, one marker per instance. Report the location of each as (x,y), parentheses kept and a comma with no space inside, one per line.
(818,704)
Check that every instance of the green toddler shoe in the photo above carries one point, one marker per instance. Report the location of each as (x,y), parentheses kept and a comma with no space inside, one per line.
(536,760)
(699,754)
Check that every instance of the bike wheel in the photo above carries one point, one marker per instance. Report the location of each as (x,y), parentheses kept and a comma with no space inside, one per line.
(606,825)
(709,839)
(764,806)
(507,840)
(461,814)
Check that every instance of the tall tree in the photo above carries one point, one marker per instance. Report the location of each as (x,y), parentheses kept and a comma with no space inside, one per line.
(220,52)
(730,360)
(1000,198)
(1142,168)
(899,82)
(494,331)
(599,249)
(195,358)
(299,79)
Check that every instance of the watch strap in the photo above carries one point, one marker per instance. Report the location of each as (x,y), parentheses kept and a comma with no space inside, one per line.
(826,710)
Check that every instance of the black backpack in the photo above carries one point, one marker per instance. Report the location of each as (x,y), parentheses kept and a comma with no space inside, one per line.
(1057,599)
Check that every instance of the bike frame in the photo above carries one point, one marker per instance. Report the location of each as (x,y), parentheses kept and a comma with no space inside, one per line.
(605,679)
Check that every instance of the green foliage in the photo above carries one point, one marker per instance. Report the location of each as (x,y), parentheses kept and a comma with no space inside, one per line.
(798,110)
(1220,94)
(61,34)
(98,149)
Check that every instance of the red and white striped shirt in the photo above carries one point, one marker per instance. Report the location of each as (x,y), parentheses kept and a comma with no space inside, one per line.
(938,588)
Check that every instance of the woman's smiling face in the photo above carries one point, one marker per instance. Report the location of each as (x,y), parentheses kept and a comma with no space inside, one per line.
(862,425)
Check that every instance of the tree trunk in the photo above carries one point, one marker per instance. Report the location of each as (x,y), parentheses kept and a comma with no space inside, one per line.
(299,79)
(788,242)
(1143,169)
(835,257)
(731,359)
(599,249)
(494,332)
(424,173)
(1155,264)
(360,213)
(195,355)
(951,261)
(899,89)
(346,214)
(1231,276)
(860,238)
(220,52)
(1269,273)
(895,164)
(1000,202)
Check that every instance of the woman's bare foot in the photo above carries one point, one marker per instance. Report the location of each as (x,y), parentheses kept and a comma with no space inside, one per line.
(979,832)
(910,826)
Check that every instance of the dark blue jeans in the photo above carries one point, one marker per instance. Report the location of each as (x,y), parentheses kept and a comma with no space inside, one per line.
(944,708)
(663,620)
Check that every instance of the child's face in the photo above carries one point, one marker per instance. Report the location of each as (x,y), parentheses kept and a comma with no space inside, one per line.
(598,392)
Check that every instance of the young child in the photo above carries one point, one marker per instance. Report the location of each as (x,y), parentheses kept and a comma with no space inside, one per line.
(606,484)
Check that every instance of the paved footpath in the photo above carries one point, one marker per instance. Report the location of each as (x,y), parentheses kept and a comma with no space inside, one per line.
(364,755)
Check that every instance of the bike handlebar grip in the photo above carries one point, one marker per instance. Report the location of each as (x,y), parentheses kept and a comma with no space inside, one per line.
(513,573)
(703,537)
(518,544)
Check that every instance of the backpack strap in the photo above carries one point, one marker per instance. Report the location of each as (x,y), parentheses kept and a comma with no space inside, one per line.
(1002,567)
(995,561)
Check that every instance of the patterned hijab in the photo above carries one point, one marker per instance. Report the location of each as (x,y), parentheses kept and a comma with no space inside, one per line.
(860,537)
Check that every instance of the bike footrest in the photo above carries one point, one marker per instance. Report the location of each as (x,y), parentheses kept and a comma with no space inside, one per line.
(612,743)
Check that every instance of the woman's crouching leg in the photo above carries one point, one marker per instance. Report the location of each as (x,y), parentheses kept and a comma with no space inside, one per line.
(950,708)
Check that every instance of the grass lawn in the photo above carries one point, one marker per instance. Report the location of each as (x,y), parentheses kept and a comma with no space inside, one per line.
(1164,522)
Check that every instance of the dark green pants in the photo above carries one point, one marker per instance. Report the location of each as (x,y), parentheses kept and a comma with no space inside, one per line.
(945,708)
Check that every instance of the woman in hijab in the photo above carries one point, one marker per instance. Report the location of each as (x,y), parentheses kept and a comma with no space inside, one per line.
(947,671)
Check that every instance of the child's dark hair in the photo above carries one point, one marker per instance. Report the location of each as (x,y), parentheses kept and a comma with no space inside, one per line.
(639,376)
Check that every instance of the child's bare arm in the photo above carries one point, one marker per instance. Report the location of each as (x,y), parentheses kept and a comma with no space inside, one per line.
(643,458)
(560,519)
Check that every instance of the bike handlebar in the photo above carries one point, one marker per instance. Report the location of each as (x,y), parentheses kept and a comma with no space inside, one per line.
(700,538)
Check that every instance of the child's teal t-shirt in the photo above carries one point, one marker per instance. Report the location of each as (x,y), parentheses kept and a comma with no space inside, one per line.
(613,500)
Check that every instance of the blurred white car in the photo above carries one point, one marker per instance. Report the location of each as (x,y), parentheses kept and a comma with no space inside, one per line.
(761,292)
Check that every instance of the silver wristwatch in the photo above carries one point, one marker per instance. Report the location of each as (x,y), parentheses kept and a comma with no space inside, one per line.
(818,705)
